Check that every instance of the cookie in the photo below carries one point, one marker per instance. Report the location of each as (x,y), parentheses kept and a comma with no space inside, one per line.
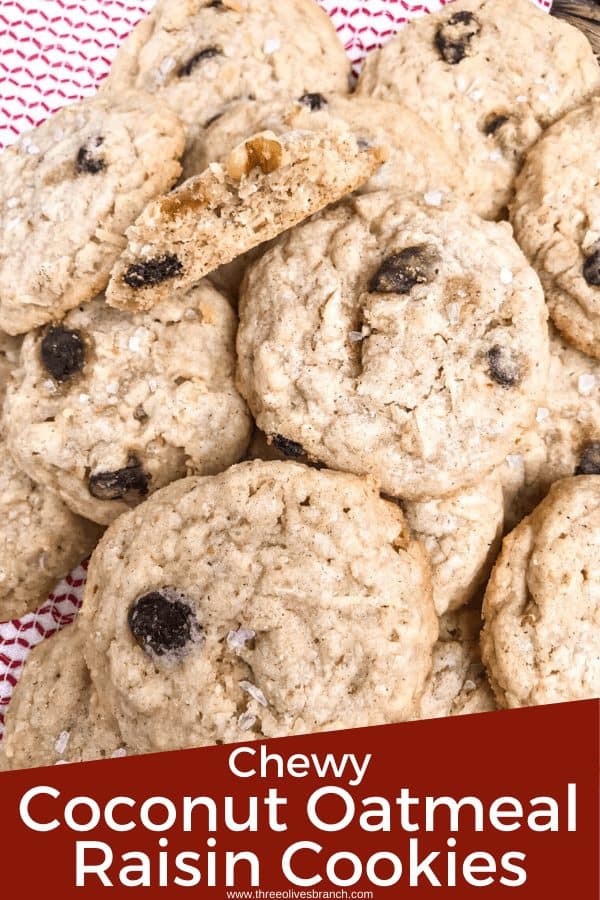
(273,599)
(566,437)
(462,535)
(267,184)
(54,715)
(68,191)
(457,684)
(108,406)
(200,55)
(392,339)
(556,217)
(41,540)
(9,356)
(541,640)
(489,76)
(420,165)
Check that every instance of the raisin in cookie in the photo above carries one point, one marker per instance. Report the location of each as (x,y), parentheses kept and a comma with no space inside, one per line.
(541,640)
(566,437)
(457,684)
(417,160)
(54,715)
(201,55)
(68,191)
(267,184)
(270,600)
(489,76)
(462,535)
(107,406)
(556,216)
(393,339)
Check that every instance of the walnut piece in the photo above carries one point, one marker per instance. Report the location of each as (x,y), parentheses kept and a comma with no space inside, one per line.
(262,150)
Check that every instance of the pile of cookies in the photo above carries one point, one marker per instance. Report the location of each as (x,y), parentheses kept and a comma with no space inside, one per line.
(288,343)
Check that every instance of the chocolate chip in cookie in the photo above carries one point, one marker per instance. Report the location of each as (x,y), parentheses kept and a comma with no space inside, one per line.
(164,622)
(453,38)
(63,352)
(88,160)
(121,484)
(591,268)
(208,53)
(400,272)
(503,367)
(289,448)
(314,102)
(589,460)
(153,271)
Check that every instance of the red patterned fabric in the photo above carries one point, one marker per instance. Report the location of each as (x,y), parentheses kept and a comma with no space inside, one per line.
(56,51)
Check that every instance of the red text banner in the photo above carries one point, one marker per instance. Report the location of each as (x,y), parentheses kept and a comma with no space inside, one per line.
(498,804)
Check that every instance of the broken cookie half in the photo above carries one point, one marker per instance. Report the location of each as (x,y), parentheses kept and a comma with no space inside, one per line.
(267,184)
